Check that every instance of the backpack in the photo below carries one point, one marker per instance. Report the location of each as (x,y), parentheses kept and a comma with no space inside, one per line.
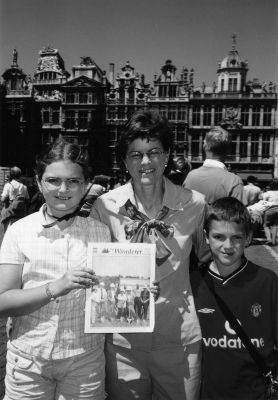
(15,209)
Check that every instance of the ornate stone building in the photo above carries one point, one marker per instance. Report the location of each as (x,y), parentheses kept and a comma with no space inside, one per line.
(248,109)
(19,123)
(127,94)
(89,107)
(170,95)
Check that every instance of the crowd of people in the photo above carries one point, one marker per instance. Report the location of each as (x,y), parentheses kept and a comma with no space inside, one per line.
(117,302)
(200,225)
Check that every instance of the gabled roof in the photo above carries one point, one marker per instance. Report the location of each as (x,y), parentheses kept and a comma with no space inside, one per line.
(83,81)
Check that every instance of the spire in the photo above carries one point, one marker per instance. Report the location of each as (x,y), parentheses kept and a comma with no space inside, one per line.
(15,56)
(234,42)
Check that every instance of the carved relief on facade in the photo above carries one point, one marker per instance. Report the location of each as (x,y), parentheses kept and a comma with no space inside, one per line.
(231,118)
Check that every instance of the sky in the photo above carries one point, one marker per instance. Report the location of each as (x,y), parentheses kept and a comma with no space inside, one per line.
(192,33)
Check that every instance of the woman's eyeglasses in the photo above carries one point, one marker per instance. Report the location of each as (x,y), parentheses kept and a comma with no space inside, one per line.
(55,183)
(137,156)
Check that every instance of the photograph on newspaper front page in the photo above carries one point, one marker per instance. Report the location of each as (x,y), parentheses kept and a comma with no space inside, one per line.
(120,301)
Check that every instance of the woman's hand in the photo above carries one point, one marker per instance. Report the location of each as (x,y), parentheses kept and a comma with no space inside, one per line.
(155,290)
(73,279)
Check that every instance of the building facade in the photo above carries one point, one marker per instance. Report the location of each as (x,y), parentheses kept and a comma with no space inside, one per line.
(91,108)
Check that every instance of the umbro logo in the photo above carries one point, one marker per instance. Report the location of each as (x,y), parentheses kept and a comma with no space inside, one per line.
(206,310)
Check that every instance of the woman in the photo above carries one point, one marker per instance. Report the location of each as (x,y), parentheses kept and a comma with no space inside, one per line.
(43,277)
(164,364)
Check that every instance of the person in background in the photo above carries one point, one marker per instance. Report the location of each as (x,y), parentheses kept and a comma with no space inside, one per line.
(111,298)
(145,300)
(271,214)
(252,190)
(130,311)
(44,274)
(181,168)
(103,301)
(137,302)
(15,198)
(149,208)
(96,190)
(121,304)
(250,292)
(212,178)
(119,181)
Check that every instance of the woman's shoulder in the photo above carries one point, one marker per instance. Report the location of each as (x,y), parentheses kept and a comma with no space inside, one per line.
(115,196)
(179,197)
(188,194)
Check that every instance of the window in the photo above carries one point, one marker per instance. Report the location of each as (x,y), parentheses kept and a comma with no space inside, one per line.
(265,145)
(232,151)
(254,148)
(256,116)
(172,91)
(244,119)
(83,98)
(93,98)
(222,85)
(162,91)
(195,149)
(243,148)
(70,98)
(180,134)
(83,120)
(46,116)
(267,116)
(196,116)
(55,116)
(172,113)
(217,115)
(122,95)
(121,112)
(13,84)
(70,119)
(232,85)
(163,111)
(207,116)
(131,95)
(112,134)
(181,113)
(112,114)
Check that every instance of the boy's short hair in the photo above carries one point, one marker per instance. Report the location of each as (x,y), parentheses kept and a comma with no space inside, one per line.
(228,209)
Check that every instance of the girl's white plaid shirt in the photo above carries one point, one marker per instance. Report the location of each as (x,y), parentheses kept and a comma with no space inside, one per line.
(56,330)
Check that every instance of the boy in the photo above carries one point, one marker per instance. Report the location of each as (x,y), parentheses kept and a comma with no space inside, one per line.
(251,293)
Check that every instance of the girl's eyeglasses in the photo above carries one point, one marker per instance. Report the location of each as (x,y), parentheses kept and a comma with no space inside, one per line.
(55,183)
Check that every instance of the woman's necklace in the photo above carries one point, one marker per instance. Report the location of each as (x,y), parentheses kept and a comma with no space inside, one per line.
(150,211)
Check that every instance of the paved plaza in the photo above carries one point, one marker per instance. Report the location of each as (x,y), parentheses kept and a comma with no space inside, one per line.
(263,255)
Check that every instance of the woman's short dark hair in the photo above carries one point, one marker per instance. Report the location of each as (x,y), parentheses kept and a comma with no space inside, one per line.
(145,124)
(62,150)
(228,209)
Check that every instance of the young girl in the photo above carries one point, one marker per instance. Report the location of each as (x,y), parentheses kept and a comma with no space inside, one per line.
(44,275)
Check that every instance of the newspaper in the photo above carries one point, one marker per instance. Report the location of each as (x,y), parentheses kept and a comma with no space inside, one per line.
(121,300)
